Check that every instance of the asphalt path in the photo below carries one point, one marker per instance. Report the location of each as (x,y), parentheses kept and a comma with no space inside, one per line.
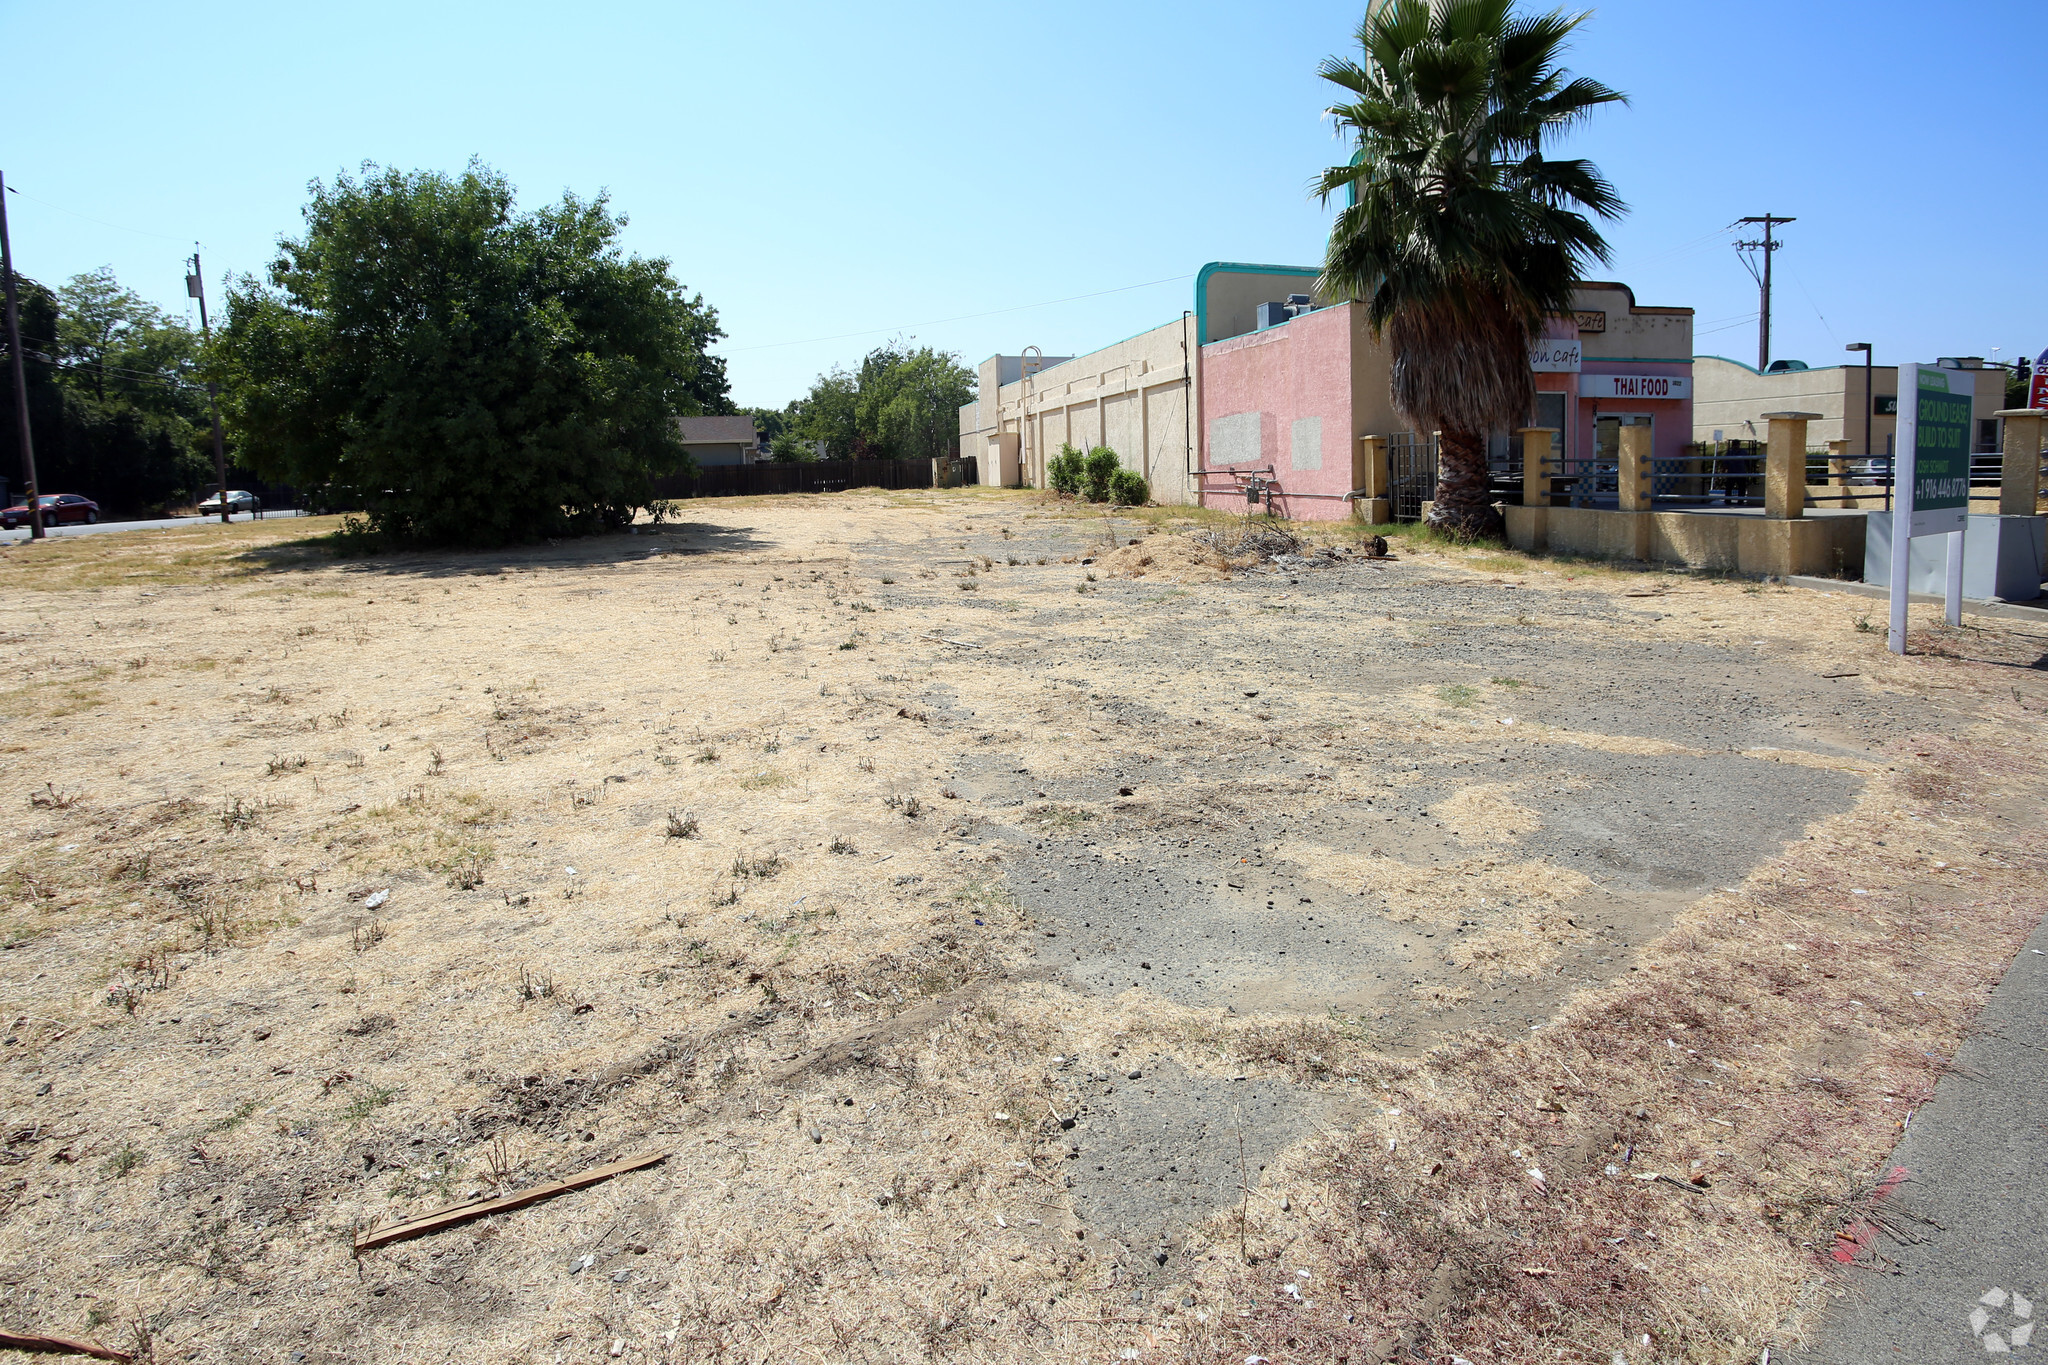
(1966,1219)
(162,524)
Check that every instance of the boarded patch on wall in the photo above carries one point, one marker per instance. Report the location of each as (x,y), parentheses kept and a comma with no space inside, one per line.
(1235,439)
(1305,436)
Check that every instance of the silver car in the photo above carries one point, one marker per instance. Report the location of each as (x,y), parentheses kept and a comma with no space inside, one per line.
(239,500)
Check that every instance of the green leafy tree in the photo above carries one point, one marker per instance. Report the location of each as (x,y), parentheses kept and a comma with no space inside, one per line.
(899,405)
(115,407)
(790,448)
(828,415)
(770,422)
(468,373)
(1462,237)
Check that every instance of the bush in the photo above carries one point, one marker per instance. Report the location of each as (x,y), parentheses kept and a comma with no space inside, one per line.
(1127,488)
(1064,474)
(1102,466)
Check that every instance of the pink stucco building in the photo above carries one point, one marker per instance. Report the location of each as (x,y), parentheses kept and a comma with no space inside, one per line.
(1260,386)
(1286,402)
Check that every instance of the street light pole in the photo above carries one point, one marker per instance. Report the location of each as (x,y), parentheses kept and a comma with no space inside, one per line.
(195,285)
(1869,414)
(28,447)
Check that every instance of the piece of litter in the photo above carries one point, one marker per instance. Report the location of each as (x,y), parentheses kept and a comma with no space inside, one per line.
(618,1346)
(999,1221)
(569,871)
(462,1213)
(13,1341)
(1507,720)
(1291,1291)
(1857,891)
(375,899)
(581,1264)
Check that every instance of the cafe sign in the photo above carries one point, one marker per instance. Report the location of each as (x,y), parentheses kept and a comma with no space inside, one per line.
(1554,355)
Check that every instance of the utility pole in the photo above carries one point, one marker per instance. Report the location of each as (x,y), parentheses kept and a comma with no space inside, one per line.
(195,286)
(28,448)
(1763,279)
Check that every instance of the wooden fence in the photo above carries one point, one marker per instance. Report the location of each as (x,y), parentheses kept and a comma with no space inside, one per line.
(820,476)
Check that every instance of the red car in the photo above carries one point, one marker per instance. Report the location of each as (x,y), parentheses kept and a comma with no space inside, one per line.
(58,508)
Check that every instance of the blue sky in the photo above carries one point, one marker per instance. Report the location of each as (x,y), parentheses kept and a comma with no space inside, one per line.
(828,175)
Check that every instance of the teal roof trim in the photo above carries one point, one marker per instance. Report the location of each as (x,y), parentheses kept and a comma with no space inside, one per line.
(1202,337)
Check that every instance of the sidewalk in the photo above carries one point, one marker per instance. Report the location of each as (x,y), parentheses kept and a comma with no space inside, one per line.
(1975,1163)
(2036,611)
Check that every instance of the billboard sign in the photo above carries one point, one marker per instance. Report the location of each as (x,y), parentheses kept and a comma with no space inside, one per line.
(2037,392)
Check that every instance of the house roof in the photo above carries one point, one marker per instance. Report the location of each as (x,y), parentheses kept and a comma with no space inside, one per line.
(717,430)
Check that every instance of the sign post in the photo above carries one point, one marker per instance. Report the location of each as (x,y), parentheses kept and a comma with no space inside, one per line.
(1933,483)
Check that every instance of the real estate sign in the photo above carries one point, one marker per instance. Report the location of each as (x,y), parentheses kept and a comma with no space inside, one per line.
(1933,482)
(1934,425)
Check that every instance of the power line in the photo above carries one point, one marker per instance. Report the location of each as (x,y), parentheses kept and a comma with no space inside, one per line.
(140,232)
(1683,248)
(964,317)
(135,376)
(1739,322)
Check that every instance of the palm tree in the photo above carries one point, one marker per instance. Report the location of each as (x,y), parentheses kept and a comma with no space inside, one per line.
(1458,233)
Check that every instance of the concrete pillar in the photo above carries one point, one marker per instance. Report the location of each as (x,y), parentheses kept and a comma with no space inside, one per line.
(1539,447)
(1371,485)
(1838,473)
(2019,488)
(1632,477)
(1785,464)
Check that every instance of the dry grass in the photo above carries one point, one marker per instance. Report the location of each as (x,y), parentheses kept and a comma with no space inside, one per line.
(378,883)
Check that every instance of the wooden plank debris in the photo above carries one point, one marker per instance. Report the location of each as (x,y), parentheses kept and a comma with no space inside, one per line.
(29,1341)
(463,1213)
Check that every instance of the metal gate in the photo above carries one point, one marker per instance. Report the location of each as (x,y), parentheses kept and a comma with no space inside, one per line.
(1411,473)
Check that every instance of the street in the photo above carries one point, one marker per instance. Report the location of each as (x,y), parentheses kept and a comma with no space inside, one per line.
(160,524)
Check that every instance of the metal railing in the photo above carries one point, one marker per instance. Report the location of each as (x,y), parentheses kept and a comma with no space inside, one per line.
(1411,473)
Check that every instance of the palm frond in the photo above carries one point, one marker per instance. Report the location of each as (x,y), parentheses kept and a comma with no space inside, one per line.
(1463,237)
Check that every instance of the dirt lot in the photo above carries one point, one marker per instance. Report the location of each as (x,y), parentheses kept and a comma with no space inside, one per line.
(1337,959)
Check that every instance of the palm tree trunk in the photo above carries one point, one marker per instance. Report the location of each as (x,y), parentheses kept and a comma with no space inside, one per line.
(1463,505)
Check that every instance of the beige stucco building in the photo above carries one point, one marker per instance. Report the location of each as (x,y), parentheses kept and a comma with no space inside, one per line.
(1731,398)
